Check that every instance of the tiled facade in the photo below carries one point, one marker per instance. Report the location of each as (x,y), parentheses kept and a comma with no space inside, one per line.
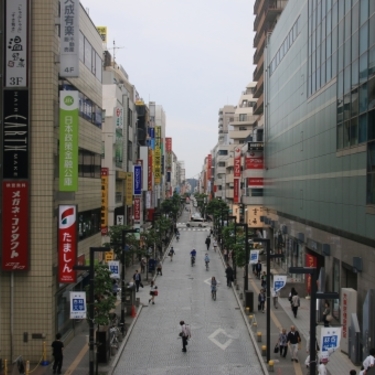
(40,304)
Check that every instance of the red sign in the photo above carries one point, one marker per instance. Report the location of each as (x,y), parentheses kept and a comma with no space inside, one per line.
(149,171)
(236,190)
(209,166)
(254,160)
(311,261)
(168,144)
(67,243)
(237,162)
(137,209)
(255,181)
(15,226)
(104,172)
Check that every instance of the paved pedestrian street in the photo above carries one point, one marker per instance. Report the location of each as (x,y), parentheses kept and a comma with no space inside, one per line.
(220,343)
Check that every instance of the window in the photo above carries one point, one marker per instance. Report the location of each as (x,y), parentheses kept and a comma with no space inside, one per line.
(256,192)
(88,223)
(222,152)
(371,173)
(89,164)
(81,47)
(242,117)
(242,128)
(88,51)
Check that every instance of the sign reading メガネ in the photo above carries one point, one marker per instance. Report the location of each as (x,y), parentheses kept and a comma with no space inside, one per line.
(329,340)
(279,282)
(114,267)
(16,43)
(67,243)
(254,256)
(69,40)
(68,141)
(78,305)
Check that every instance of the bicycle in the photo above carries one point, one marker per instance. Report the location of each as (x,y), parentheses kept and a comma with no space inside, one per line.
(213,292)
(207,266)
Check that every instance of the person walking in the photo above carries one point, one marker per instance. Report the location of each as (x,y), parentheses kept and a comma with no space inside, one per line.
(369,360)
(137,279)
(275,296)
(283,343)
(143,265)
(326,314)
(307,360)
(263,280)
(159,267)
(322,370)
(171,253)
(225,253)
(229,275)
(58,347)
(208,242)
(295,304)
(294,339)
(261,300)
(215,245)
(258,269)
(153,292)
(184,336)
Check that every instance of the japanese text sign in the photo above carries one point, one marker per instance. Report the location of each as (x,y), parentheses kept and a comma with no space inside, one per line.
(279,281)
(78,307)
(137,209)
(137,180)
(114,267)
(254,256)
(329,339)
(237,162)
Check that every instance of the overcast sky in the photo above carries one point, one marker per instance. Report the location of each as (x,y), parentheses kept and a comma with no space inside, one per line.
(190,56)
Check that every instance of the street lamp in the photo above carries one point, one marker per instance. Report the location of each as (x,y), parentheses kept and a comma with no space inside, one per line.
(268,295)
(246,278)
(314,296)
(124,232)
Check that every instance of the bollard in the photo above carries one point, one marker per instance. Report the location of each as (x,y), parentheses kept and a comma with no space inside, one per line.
(255,324)
(247,310)
(264,350)
(259,336)
(251,318)
(27,370)
(44,360)
(271,367)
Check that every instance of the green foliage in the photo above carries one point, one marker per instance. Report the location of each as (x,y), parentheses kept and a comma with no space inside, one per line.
(104,298)
(171,206)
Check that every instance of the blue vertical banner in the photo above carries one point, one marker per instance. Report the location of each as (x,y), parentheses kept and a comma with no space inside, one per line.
(137,180)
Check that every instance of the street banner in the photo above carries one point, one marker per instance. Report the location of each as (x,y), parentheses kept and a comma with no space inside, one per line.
(209,166)
(254,256)
(168,144)
(137,209)
(15,226)
(67,243)
(279,281)
(310,261)
(104,207)
(129,189)
(119,118)
(236,190)
(69,103)
(137,169)
(157,165)
(114,267)
(254,160)
(237,162)
(78,308)
(149,171)
(69,40)
(329,340)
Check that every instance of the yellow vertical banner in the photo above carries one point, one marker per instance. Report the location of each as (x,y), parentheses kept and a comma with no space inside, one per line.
(129,189)
(157,165)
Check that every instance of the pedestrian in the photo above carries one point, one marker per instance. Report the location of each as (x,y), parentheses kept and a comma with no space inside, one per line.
(263,280)
(58,347)
(353,372)
(143,265)
(295,304)
(183,335)
(225,253)
(159,267)
(275,297)
(215,245)
(171,253)
(153,292)
(363,371)
(294,339)
(261,300)
(230,255)
(369,360)
(229,275)
(327,317)
(208,242)
(138,280)
(114,287)
(258,269)
(291,294)
(283,343)
(322,370)
(307,360)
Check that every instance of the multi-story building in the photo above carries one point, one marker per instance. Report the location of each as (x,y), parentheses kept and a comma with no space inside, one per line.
(320,139)
(51,185)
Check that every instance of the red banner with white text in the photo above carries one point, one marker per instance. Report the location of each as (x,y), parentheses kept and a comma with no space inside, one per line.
(236,190)
(137,209)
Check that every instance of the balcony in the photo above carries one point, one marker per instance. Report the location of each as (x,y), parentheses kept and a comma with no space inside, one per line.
(258,72)
(241,134)
(242,119)
(229,193)
(259,87)
(220,170)
(252,200)
(229,178)
(258,109)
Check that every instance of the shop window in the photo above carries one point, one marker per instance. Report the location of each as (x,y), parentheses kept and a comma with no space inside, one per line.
(88,223)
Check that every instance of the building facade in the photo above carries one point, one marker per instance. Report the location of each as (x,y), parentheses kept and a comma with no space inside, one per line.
(320,142)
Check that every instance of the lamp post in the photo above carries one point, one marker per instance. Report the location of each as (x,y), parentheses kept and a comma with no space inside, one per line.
(246,277)
(91,311)
(268,292)
(313,272)
(124,232)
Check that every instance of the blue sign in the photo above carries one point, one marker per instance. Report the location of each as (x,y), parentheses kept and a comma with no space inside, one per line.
(330,342)
(78,304)
(279,285)
(151,132)
(137,180)
(114,268)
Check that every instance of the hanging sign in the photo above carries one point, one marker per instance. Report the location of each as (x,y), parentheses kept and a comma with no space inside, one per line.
(254,256)
(329,340)
(279,282)
(78,307)
(114,267)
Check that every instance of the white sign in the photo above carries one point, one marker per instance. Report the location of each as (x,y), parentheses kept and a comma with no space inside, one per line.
(120,220)
(114,267)
(329,340)
(78,305)
(16,47)
(119,117)
(254,256)
(69,38)
(279,282)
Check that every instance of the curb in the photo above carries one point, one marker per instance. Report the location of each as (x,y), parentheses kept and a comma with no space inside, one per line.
(251,333)
(123,344)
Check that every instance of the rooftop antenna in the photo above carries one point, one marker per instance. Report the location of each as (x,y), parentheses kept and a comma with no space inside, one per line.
(114,50)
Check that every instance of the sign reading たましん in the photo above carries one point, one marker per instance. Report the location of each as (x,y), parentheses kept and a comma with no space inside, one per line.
(67,243)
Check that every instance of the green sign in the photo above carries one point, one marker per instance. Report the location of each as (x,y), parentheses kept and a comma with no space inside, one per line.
(68,158)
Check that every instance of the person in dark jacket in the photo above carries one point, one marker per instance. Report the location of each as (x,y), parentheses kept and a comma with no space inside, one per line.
(229,274)
(208,242)
(258,269)
(58,348)
(137,279)
(294,339)
(261,300)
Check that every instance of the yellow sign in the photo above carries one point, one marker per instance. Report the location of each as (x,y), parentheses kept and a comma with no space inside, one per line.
(102,30)
(157,165)
(104,209)
(129,189)
(109,256)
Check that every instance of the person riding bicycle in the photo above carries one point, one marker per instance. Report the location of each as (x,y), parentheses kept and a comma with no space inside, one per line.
(207,260)
(213,287)
(171,253)
(193,254)
(208,242)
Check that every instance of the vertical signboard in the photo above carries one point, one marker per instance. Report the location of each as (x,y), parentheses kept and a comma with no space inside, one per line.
(119,117)
(168,144)
(149,171)
(137,209)
(15,226)
(129,189)
(209,166)
(68,141)
(236,190)
(137,169)
(104,208)
(16,41)
(67,243)
(103,32)
(78,307)
(254,155)
(157,165)
(237,162)
(311,261)
(16,134)
(69,40)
